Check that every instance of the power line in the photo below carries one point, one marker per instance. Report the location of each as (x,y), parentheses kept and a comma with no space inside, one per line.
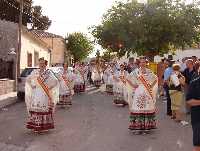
(30,15)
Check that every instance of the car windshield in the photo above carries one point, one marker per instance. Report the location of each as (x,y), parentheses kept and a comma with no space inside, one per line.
(27,72)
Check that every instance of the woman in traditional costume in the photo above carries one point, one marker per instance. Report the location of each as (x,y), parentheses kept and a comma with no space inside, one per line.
(79,83)
(96,75)
(66,91)
(83,70)
(108,79)
(42,94)
(120,84)
(143,85)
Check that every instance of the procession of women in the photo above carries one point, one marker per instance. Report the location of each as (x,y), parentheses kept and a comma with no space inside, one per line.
(134,89)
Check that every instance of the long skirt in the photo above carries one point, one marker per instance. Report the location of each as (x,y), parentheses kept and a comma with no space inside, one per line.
(109,89)
(65,100)
(119,99)
(97,83)
(40,121)
(176,99)
(79,88)
(142,121)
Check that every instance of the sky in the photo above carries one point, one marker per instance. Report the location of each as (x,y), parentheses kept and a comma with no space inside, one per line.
(73,15)
(70,16)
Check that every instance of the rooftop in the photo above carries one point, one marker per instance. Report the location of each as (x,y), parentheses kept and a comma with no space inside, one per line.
(43,34)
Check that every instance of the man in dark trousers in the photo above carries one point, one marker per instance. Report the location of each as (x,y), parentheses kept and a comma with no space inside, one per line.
(167,74)
(193,101)
(188,74)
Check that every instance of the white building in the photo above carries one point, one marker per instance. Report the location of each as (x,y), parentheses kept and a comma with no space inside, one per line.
(32,48)
(180,54)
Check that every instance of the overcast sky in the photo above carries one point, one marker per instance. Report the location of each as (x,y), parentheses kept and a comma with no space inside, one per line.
(73,15)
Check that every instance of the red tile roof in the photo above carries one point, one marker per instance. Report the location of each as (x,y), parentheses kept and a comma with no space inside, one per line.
(43,34)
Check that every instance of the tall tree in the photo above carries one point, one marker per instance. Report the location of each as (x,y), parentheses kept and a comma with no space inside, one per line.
(79,45)
(39,21)
(152,28)
(9,10)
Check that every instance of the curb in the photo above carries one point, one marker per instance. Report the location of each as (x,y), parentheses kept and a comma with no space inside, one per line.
(8,101)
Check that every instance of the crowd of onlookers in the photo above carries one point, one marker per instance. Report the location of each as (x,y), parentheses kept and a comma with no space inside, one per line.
(181,87)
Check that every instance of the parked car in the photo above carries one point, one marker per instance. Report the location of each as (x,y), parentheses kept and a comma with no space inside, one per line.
(22,81)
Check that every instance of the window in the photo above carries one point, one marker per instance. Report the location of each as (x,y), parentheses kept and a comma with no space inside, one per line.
(36,57)
(29,59)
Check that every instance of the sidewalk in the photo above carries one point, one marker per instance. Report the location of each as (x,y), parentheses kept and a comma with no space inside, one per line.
(8,99)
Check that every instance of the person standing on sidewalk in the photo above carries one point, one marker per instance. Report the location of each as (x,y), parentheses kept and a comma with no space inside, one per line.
(176,82)
(42,94)
(167,74)
(188,73)
(193,100)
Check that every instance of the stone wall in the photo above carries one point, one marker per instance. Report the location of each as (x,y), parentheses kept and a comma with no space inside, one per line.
(6,86)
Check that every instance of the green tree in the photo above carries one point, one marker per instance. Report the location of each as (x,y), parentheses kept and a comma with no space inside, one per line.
(79,45)
(107,55)
(39,21)
(9,10)
(152,28)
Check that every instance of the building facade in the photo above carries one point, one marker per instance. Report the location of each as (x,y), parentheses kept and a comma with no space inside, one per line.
(32,48)
(57,44)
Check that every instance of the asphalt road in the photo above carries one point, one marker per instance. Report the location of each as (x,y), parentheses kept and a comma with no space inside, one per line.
(92,124)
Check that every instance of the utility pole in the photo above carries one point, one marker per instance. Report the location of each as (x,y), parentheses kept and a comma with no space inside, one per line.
(18,52)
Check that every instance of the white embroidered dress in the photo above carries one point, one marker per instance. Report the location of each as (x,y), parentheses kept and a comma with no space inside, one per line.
(40,90)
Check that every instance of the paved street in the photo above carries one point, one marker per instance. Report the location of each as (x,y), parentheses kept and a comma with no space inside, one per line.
(92,124)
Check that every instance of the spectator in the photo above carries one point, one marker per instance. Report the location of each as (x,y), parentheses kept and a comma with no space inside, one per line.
(194,58)
(196,66)
(160,69)
(189,71)
(193,100)
(183,64)
(177,80)
(167,74)
(188,74)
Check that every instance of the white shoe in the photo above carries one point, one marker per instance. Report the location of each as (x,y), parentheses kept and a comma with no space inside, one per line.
(184,123)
